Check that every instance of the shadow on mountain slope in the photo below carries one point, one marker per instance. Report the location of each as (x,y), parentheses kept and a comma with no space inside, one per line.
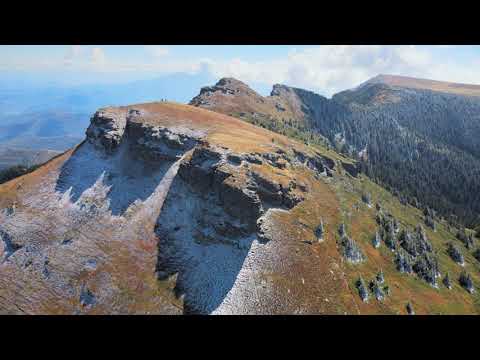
(119,179)
(202,244)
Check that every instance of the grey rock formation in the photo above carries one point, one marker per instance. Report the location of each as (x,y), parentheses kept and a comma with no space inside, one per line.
(106,129)
(157,143)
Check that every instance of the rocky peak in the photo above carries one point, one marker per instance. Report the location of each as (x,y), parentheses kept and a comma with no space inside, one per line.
(227,86)
(109,127)
(279,90)
(225,91)
(231,83)
(106,129)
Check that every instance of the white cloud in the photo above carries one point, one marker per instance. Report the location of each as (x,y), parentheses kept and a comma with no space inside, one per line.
(332,68)
(72,54)
(324,69)
(157,51)
(98,57)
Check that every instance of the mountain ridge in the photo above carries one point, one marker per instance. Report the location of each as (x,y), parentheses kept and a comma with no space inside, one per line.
(169,208)
(424,84)
(370,121)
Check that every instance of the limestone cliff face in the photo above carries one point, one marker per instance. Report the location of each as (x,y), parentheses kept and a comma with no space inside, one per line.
(106,129)
(163,209)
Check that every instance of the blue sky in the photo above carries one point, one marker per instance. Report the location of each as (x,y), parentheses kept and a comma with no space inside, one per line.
(323,69)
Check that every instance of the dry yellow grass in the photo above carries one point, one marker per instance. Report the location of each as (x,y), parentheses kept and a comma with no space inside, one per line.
(440,86)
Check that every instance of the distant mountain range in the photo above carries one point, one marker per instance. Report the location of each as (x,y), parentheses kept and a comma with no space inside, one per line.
(53,118)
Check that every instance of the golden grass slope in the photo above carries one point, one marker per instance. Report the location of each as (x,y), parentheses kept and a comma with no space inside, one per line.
(425,84)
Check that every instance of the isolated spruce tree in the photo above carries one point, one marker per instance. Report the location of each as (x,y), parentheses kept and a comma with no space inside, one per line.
(380,277)
(319,232)
(390,240)
(376,290)
(410,310)
(476,254)
(467,240)
(455,254)
(466,282)
(430,222)
(376,240)
(362,290)
(351,251)
(446,281)
(367,198)
(403,262)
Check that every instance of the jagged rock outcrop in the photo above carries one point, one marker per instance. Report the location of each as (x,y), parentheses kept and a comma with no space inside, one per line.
(107,128)
(157,143)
